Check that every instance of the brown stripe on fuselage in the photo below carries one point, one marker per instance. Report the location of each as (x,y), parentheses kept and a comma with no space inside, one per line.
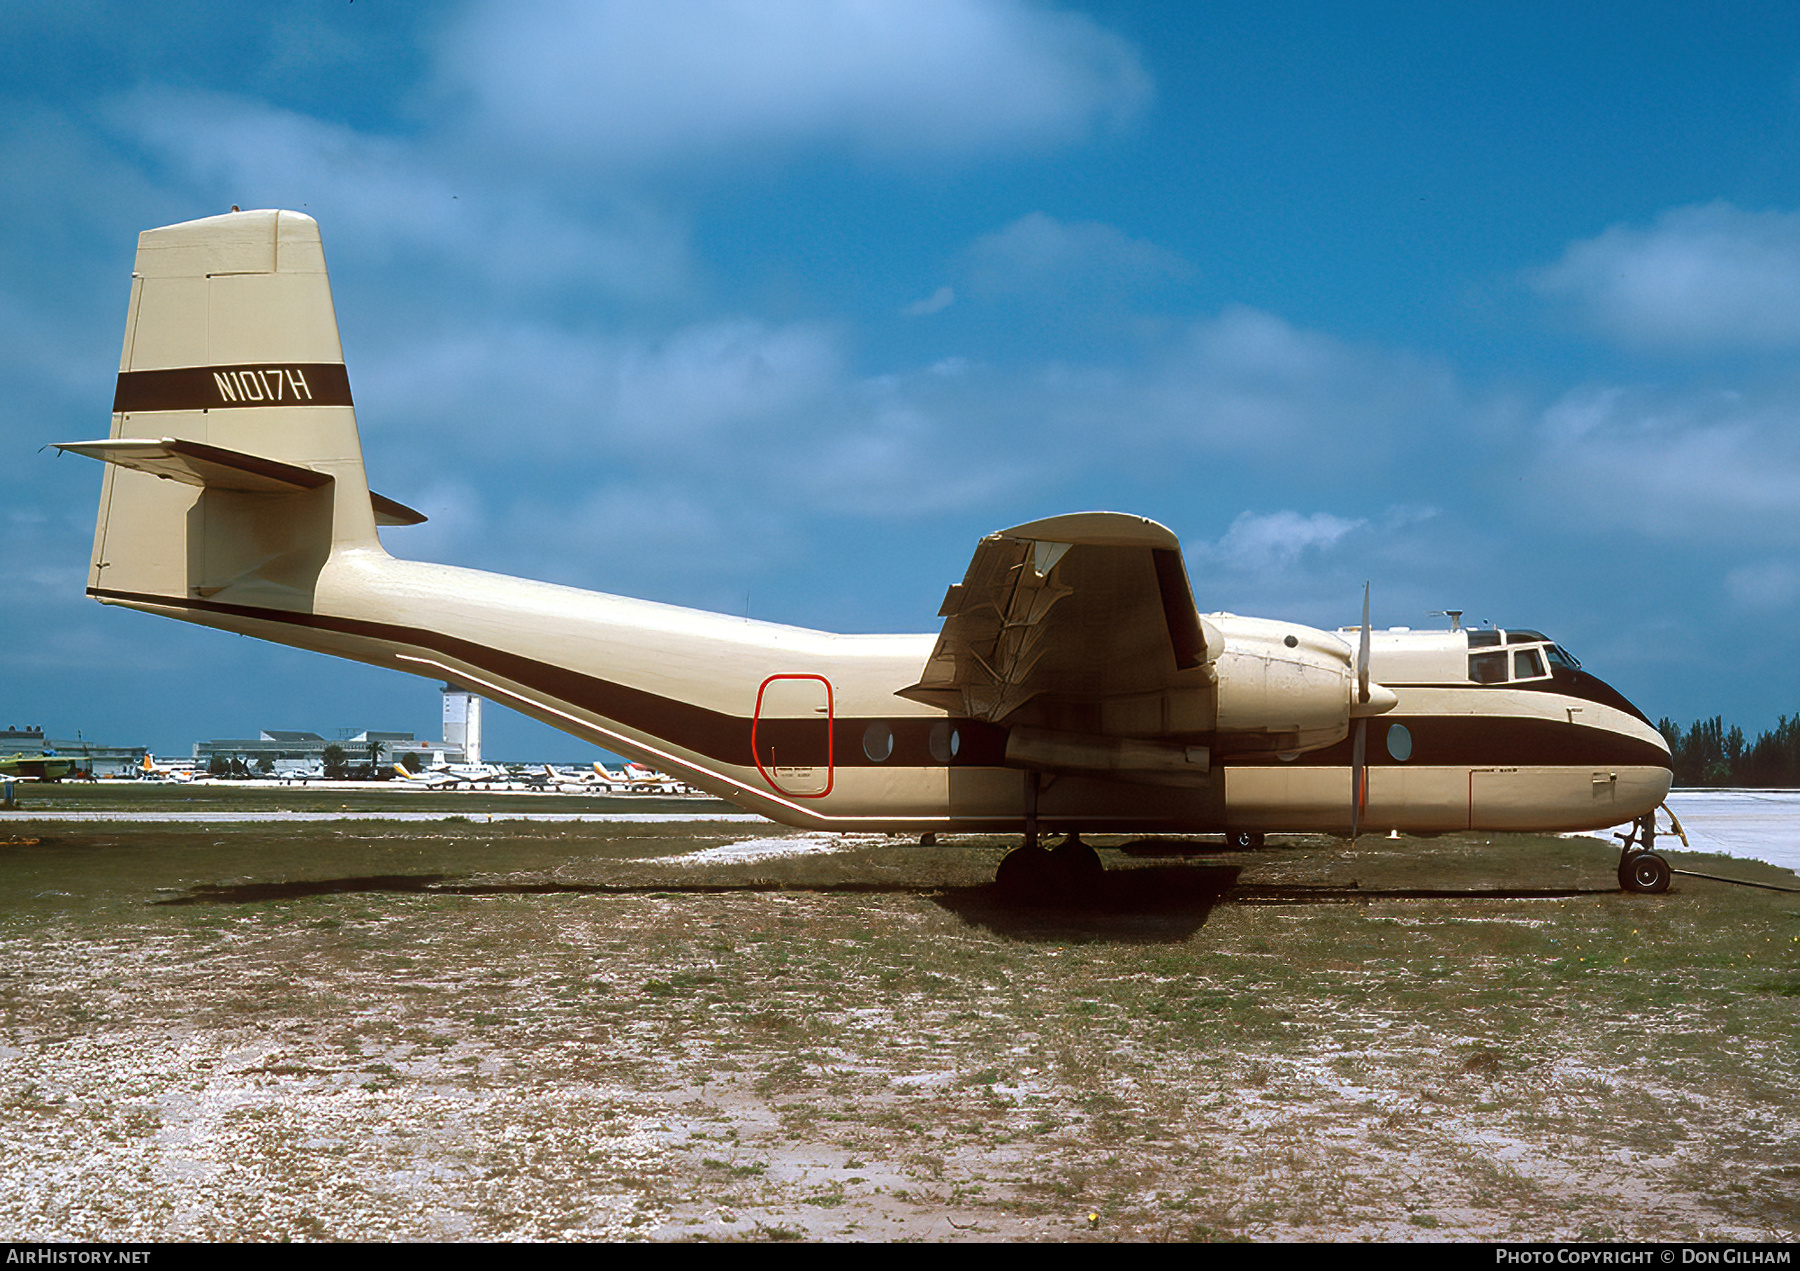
(1489,741)
(1480,741)
(233,387)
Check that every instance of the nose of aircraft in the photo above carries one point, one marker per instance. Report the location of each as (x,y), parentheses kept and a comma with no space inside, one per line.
(1651,747)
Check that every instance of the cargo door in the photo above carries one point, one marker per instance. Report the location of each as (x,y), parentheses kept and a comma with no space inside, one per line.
(791,735)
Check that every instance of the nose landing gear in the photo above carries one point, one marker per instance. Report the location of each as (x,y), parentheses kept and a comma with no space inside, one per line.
(1640,868)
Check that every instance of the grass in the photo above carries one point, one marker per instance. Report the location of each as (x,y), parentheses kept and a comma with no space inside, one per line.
(531,1031)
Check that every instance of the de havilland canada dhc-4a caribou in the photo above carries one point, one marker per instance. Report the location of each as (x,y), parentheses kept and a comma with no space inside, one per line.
(1074,686)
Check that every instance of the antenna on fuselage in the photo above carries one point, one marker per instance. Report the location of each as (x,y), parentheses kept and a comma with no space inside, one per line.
(1455,616)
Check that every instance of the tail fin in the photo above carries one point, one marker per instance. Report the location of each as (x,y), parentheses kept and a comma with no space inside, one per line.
(234,463)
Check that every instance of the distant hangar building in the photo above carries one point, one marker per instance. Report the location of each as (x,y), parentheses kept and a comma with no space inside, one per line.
(106,761)
(290,751)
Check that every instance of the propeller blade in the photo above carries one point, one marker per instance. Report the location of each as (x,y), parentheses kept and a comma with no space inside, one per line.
(1359,768)
(1362,652)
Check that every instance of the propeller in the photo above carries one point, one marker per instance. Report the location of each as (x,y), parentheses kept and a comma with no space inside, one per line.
(1359,747)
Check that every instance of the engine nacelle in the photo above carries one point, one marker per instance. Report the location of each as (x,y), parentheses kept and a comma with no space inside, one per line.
(1285,688)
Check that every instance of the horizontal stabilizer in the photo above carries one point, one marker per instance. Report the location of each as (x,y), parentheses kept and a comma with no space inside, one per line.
(391,512)
(196,463)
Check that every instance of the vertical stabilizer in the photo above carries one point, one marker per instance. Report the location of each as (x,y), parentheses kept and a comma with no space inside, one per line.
(232,354)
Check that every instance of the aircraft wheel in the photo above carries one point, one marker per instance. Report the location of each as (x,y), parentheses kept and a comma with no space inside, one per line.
(1244,840)
(1078,863)
(1065,873)
(1025,873)
(1645,872)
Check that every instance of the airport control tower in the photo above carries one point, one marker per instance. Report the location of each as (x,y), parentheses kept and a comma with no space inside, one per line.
(462,723)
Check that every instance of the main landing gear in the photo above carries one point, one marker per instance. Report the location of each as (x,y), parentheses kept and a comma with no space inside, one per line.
(1063,874)
(1068,872)
(1640,868)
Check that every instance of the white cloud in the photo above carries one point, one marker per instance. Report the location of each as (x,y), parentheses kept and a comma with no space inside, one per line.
(1706,277)
(884,457)
(409,203)
(1766,585)
(737,376)
(619,83)
(1039,255)
(1272,541)
(936,302)
(730,399)
(711,398)
(1249,383)
(1702,465)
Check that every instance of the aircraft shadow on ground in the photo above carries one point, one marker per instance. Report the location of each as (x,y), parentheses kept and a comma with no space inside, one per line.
(1155,905)
(447,885)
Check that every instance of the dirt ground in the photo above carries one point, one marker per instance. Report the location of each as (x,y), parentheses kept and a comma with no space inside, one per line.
(602,1033)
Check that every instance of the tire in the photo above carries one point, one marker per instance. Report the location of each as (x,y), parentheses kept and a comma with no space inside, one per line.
(1645,872)
(1050,876)
(1025,876)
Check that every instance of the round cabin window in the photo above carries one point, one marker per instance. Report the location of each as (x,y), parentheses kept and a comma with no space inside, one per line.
(878,741)
(1399,742)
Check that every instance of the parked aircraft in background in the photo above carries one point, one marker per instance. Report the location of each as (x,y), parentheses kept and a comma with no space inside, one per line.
(638,779)
(44,766)
(593,779)
(433,779)
(1074,686)
(150,770)
(442,776)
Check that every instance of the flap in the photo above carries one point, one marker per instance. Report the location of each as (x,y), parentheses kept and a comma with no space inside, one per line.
(1081,608)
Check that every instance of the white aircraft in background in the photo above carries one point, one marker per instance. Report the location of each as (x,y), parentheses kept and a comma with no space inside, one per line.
(635,778)
(445,776)
(550,777)
(1074,687)
(150,770)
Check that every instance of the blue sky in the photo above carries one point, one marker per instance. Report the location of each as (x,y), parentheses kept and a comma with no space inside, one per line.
(779,307)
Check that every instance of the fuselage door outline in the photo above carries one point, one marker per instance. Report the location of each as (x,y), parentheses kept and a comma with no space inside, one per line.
(796,738)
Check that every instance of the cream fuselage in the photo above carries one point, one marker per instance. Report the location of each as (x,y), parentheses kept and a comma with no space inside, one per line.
(807,727)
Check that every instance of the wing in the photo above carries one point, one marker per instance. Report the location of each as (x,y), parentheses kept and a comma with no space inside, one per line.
(1083,622)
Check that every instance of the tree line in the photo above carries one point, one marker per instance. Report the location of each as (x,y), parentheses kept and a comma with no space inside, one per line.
(1710,754)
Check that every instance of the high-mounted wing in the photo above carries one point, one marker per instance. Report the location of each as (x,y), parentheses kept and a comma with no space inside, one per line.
(1063,622)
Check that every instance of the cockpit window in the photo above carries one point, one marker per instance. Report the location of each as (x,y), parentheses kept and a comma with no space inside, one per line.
(1483,639)
(1527,665)
(1487,668)
(1560,656)
(1526,637)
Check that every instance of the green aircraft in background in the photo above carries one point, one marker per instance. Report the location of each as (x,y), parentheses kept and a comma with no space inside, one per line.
(47,766)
